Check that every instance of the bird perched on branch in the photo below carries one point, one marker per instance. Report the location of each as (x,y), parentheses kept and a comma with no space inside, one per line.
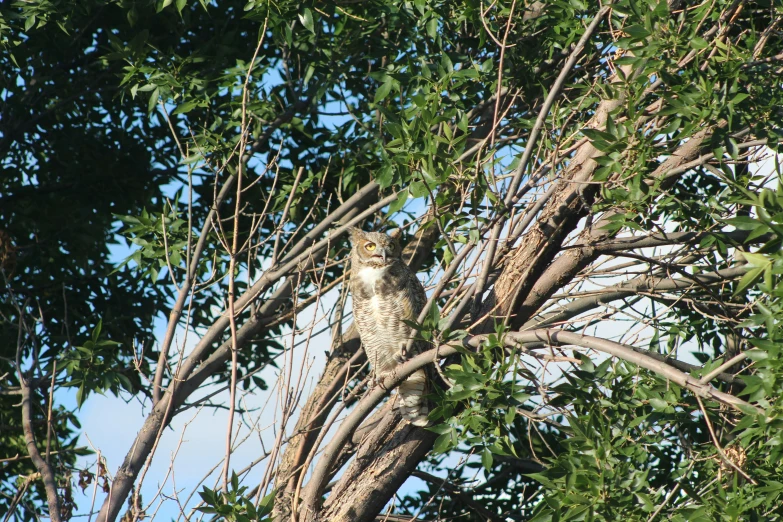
(386,293)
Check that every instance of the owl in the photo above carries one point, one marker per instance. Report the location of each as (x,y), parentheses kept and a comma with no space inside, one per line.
(385,294)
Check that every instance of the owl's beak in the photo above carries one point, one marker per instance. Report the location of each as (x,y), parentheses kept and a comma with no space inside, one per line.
(383,255)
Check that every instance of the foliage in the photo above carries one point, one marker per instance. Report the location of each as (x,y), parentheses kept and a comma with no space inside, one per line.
(73,154)
(233,505)
(90,368)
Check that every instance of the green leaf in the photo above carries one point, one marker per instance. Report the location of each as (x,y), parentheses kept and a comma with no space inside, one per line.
(434,313)
(432,27)
(267,503)
(306,17)
(637,32)
(748,279)
(756,260)
(757,355)
(658,404)
(445,62)
(743,222)
(398,203)
(598,135)
(486,459)
(29,23)
(418,189)
(81,395)
(442,443)
(186,107)
(739,97)
(385,176)
(384,90)
(96,332)
(698,43)
(153,101)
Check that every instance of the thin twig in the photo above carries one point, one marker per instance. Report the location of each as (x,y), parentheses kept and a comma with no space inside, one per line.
(233,261)
(723,367)
(722,453)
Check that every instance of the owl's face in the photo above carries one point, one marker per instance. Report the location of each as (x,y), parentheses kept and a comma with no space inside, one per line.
(374,249)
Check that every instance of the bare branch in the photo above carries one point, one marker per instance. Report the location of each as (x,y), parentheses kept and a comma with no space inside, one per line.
(634,286)
(674,238)
(43,467)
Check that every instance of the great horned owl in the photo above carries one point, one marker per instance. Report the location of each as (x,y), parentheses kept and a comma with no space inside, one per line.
(386,292)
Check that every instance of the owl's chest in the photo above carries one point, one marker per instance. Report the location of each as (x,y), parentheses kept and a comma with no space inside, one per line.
(370,277)
(377,292)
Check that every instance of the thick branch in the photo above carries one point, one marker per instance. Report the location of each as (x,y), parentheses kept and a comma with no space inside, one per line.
(383,462)
(634,286)
(564,269)
(315,487)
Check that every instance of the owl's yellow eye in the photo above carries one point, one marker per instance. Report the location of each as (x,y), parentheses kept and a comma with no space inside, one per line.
(370,246)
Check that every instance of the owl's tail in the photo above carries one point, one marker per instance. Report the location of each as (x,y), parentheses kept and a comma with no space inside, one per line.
(412,405)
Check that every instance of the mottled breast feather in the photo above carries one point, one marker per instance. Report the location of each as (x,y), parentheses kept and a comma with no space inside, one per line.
(382,299)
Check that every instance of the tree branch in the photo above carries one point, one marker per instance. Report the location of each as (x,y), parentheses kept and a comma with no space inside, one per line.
(631,287)
(674,238)
(187,285)
(179,391)
(315,487)
(43,467)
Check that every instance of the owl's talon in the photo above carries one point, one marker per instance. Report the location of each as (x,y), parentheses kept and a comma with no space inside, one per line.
(378,380)
(401,356)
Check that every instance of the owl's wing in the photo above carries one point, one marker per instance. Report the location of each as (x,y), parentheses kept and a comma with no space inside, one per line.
(418,300)
(413,403)
(416,294)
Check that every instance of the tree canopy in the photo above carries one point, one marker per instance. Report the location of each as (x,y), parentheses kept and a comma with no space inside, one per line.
(590,191)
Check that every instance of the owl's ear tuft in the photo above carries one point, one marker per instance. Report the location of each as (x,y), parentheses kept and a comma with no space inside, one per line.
(395,234)
(355,233)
